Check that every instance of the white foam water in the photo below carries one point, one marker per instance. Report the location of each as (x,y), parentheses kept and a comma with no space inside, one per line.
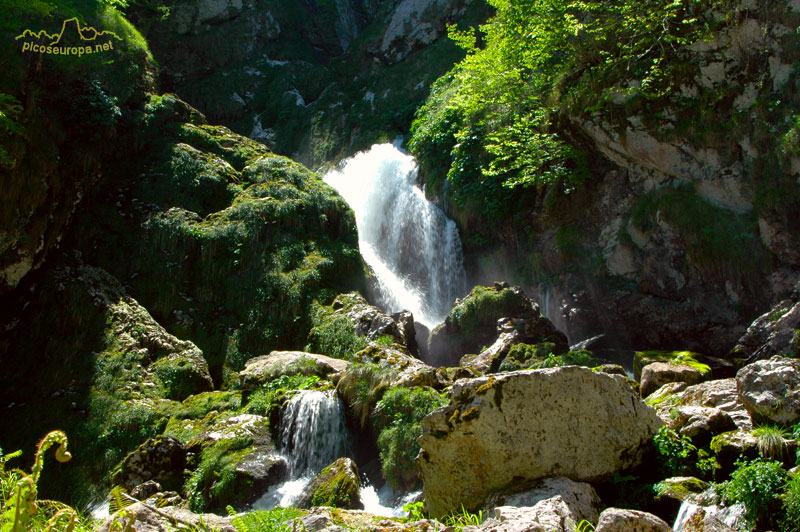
(412,247)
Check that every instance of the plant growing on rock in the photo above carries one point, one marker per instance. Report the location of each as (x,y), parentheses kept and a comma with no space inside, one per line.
(398,421)
(757,485)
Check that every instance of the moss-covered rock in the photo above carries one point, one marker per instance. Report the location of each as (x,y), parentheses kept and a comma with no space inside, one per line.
(685,358)
(93,375)
(61,120)
(472,326)
(236,459)
(260,370)
(226,243)
(161,459)
(338,485)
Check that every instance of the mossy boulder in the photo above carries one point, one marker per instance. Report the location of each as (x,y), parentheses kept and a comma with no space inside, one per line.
(94,374)
(656,374)
(472,324)
(680,488)
(236,460)
(224,242)
(346,325)
(161,459)
(260,370)
(681,358)
(338,485)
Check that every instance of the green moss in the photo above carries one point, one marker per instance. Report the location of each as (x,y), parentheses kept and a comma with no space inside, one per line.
(685,358)
(201,404)
(484,306)
(338,488)
(215,483)
(680,488)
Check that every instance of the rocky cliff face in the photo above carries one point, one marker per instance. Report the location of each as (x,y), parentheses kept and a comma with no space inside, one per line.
(315,80)
(684,232)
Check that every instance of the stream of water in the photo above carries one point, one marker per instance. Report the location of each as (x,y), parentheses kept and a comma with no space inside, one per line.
(412,247)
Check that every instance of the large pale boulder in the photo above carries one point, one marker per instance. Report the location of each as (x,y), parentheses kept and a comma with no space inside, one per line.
(261,369)
(527,425)
(657,374)
(618,520)
(770,390)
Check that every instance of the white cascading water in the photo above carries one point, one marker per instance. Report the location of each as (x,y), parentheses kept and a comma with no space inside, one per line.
(412,247)
(313,432)
(312,435)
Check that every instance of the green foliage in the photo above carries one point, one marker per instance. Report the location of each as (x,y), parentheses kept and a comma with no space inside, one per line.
(771,443)
(675,451)
(273,394)
(464,518)
(275,520)
(415,511)
(790,522)
(757,485)
(572,358)
(679,457)
(333,334)
(397,421)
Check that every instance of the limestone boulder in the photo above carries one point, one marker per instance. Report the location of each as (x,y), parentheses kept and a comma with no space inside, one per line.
(772,333)
(700,423)
(618,520)
(720,394)
(528,425)
(553,504)
(770,390)
(657,374)
(701,520)
(261,369)
(337,485)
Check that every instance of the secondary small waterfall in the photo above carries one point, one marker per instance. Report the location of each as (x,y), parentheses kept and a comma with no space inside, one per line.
(313,432)
(412,247)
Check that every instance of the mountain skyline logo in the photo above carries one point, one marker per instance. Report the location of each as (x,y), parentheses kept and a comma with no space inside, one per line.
(43,42)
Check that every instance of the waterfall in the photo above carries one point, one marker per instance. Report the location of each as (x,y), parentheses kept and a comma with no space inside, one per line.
(412,247)
(313,432)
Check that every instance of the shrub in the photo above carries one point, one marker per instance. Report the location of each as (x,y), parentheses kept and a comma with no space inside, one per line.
(791,505)
(757,485)
(674,450)
(398,421)
(333,335)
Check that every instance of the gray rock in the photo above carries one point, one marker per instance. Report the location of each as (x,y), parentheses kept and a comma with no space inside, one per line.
(700,423)
(554,504)
(618,520)
(770,390)
(164,519)
(772,333)
(527,425)
(159,461)
(261,369)
(702,521)
(720,394)
(657,374)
